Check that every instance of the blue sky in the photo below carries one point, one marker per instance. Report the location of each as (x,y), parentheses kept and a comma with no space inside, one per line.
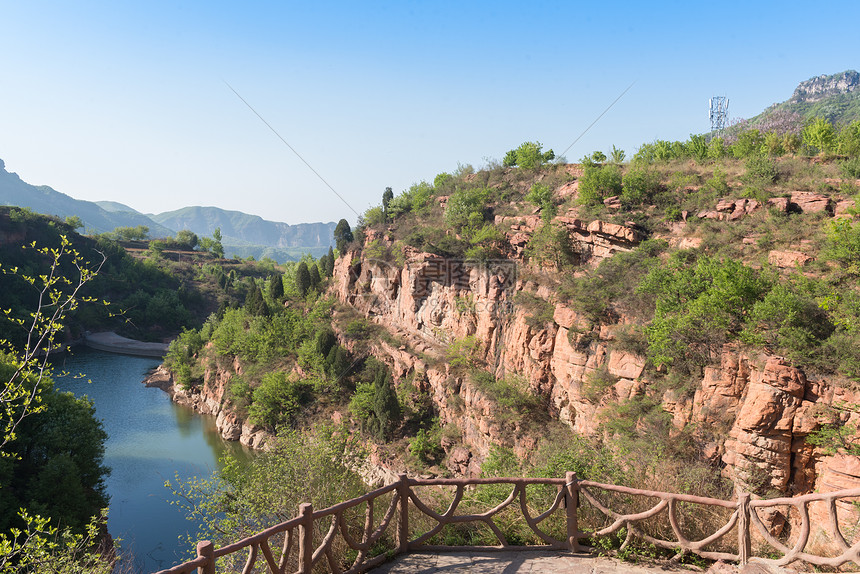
(128,101)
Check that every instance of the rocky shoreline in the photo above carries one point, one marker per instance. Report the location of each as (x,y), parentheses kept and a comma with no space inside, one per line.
(210,401)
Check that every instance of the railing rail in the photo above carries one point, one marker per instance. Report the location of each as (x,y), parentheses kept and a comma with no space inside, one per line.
(299,552)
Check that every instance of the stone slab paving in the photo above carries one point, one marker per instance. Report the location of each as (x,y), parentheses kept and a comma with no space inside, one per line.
(543,562)
(516,563)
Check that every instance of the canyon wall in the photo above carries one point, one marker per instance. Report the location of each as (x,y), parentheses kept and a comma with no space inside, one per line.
(758,409)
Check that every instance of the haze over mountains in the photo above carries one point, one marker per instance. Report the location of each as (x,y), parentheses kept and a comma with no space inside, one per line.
(243,235)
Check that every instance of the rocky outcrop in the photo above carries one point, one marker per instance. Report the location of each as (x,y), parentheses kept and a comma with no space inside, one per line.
(209,398)
(788,259)
(756,411)
(818,88)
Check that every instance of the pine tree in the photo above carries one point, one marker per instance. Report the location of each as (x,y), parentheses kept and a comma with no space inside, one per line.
(385,404)
(342,235)
(315,276)
(387,196)
(329,263)
(303,279)
(276,288)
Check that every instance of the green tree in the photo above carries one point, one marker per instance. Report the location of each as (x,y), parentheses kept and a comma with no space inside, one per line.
(700,305)
(551,243)
(749,143)
(387,196)
(54,468)
(329,263)
(598,157)
(140,232)
(75,222)
(843,244)
(57,295)
(386,407)
(465,209)
(848,140)
(303,278)
(529,155)
(255,305)
(277,399)
(342,235)
(315,276)
(819,135)
(212,245)
(40,547)
(599,182)
(697,147)
(640,186)
(296,467)
(541,196)
(186,239)
(276,288)
(616,155)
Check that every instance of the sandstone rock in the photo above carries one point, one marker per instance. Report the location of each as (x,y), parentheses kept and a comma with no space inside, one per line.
(788,259)
(625,365)
(690,243)
(725,205)
(614,230)
(569,189)
(613,202)
(778,203)
(843,207)
(811,202)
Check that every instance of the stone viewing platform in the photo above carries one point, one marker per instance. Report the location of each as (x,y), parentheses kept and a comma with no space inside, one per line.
(516,562)
(113,343)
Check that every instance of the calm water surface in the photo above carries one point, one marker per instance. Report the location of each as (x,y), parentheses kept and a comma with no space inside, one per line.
(150,440)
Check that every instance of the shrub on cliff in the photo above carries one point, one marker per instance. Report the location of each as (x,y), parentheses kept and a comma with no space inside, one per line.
(700,304)
(277,399)
(466,208)
(599,182)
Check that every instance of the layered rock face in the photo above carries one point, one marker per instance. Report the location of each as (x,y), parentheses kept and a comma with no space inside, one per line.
(758,409)
(210,399)
(817,88)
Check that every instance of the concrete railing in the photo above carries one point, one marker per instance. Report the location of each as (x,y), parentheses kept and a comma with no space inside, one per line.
(292,546)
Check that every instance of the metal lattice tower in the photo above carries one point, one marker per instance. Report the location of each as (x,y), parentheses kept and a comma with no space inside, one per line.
(718,113)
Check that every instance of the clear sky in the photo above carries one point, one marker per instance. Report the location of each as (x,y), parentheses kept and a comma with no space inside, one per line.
(128,101)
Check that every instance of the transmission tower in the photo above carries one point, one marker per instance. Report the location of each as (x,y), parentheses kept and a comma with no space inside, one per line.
(718,113)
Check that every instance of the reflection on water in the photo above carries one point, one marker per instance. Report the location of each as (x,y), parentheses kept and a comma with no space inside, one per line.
(150,440)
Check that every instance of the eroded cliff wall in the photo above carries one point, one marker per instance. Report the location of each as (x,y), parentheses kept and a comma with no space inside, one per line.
(757,409)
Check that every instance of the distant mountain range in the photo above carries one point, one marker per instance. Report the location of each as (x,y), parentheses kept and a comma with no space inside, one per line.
(243,235)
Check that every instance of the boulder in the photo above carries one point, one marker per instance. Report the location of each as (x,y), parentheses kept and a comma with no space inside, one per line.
(788,259)
(811,202)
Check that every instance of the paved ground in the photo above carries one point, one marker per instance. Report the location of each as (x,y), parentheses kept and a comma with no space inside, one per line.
(517,563)
(548,563)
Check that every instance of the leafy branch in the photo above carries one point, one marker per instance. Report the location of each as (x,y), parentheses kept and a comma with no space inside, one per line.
(58,295)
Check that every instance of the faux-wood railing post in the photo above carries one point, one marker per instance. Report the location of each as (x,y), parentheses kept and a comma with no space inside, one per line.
(403,523)
(306,537)
(744,542)
(571,503)
(206,549)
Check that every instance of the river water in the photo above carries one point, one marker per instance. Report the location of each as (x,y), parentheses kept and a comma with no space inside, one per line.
(150,440)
